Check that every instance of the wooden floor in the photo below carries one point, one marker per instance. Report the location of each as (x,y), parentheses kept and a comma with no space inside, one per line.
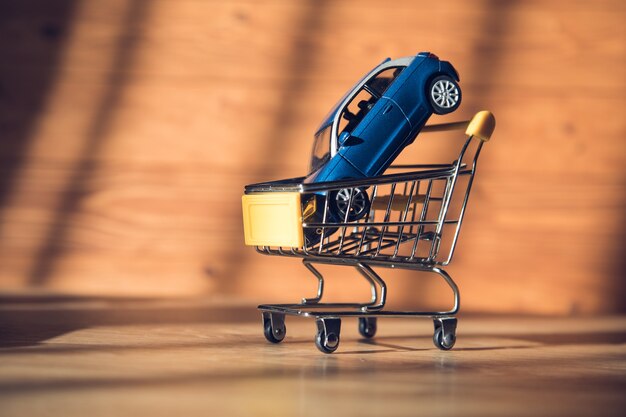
(96,357)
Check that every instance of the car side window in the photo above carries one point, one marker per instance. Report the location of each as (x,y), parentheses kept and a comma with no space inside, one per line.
(321,149)
(379,84)
(356,110)
(364,100)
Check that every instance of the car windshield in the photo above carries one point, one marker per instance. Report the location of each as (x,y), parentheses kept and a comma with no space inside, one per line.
(321,149)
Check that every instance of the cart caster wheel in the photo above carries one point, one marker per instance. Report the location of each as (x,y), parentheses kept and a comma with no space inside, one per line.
(367,327)
(327,344)
(274,327)
(327,338)
(441,343)
(445,333)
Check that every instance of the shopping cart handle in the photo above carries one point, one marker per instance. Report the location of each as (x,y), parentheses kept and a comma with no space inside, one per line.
(444,127)
(482,125)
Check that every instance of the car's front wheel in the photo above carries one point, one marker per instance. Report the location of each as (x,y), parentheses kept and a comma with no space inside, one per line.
(444,94)
(349,204)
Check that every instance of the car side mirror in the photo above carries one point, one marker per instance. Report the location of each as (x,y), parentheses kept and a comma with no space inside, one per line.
(343,137)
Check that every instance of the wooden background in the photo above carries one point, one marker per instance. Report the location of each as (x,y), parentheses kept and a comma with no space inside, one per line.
(129,128)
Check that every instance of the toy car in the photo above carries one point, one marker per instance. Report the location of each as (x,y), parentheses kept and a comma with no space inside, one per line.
(375,120)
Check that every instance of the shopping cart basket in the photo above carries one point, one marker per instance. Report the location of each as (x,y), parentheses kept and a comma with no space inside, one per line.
(413,221)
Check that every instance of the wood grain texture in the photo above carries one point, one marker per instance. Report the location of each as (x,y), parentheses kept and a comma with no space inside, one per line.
(78,356)
(130,128)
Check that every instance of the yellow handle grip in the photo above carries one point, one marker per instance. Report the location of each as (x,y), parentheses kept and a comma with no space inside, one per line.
(482,125)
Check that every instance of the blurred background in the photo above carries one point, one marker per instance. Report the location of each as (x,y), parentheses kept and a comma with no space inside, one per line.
(128,129)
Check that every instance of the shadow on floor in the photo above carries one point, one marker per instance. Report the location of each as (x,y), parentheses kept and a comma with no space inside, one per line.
(28,321)
(519,340)
(31,320)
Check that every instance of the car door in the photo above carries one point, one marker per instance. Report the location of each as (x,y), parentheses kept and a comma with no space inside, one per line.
(374,127)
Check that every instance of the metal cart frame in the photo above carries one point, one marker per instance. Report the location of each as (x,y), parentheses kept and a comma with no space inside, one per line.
(398,231)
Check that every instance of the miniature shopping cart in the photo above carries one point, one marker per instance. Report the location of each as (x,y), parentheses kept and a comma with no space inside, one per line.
(412,222)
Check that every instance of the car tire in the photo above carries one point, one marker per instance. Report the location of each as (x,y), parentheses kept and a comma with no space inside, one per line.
(340,200)
(444,94)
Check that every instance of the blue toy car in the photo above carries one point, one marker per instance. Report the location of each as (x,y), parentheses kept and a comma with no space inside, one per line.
(375,120)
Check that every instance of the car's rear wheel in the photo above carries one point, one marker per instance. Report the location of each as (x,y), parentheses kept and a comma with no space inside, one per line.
(444,94)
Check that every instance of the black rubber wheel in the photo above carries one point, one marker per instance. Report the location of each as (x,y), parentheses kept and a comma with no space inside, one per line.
(340,200)
(444,94)
(439,341)
(275,335)
(367,327)
(327,344)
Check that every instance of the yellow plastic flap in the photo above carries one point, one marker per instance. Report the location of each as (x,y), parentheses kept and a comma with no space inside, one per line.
(272,219)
